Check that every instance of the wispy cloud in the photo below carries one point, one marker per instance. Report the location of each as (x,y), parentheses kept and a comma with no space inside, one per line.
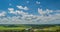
(24,8)
(3,14)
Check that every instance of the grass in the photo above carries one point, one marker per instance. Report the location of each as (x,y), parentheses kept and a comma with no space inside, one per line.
(12,28)
(22,28)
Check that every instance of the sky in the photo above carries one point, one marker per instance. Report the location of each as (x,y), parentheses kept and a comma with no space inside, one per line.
(29,11)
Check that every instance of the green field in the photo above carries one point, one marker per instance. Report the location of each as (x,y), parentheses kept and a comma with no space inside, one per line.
(29,28)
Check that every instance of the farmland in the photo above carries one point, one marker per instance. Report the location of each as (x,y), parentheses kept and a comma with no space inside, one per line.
(29,28)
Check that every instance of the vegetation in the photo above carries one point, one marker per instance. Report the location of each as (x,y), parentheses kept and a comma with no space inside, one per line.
(29,28)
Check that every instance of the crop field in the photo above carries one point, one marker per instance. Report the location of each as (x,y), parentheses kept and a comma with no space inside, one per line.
(29,28)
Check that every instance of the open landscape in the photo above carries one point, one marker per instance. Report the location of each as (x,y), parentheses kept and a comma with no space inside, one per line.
(29,15)
(29,28)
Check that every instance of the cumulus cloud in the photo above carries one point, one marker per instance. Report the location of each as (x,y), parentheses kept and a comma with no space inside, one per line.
(30,19)
(57,11)
(44,13)
(3,13)
(11,10)
(27,18)
(24,8)
(16,12)
(21,12)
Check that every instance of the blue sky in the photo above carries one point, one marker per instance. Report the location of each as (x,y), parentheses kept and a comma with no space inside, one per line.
(29,11)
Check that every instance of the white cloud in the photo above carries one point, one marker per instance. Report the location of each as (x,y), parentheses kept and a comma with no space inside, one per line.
(16,12)
(37,2)
(20,7)
(27,18)
(57,11)
(3,13)
(41,12)
(21,12)
(24,8)
(49,11)
(30,19)
(48,19)
(11,10)
(44,13)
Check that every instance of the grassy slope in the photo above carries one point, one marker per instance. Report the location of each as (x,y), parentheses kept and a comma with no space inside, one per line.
(12,28)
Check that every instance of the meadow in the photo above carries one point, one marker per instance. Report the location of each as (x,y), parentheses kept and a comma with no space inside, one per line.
(29,28)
